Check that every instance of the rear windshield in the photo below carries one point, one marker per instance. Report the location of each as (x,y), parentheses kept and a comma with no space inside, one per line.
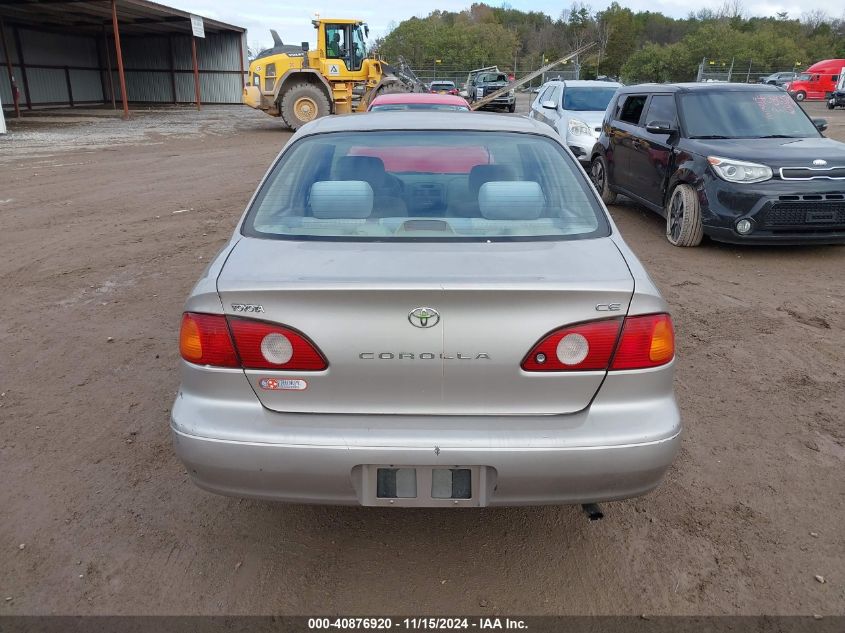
(438,85)
(587,99)
(746,114)
(426,186)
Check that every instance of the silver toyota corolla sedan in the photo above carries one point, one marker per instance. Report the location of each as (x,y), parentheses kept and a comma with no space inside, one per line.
(426,309)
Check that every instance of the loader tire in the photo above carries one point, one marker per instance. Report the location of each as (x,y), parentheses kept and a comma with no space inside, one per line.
(302,103)
(391,89)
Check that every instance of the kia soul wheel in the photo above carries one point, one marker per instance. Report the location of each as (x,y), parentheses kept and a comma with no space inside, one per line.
(598,174)
(683,217)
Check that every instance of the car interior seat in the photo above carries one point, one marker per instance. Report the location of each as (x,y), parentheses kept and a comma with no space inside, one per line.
(387,189)
(462,196)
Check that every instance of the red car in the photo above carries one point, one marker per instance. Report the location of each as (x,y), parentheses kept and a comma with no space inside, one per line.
(417,101)
(443,88)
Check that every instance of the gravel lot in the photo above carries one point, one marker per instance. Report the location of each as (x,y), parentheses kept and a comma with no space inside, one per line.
(105,226)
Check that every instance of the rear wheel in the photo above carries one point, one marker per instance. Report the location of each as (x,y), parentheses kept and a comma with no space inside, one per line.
(683,217)
(598,173)
(303,103)
(800,95)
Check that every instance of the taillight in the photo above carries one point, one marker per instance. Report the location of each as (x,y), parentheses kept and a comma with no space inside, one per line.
(263,345)
(582,347)
(647,341)
(644,341)
(204,339)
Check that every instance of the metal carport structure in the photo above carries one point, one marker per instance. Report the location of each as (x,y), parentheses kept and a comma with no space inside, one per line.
(75,52)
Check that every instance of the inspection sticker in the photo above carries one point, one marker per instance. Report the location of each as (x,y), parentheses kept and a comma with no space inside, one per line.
(283,384)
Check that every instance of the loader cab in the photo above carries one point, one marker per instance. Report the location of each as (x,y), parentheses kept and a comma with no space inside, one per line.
(345,41)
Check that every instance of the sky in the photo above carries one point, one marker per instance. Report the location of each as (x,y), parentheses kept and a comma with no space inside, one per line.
(293,20)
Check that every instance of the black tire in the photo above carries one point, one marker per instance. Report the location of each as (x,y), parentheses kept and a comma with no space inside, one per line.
(800,95)
(302,103)
(683,217)
(831,104)
(512,108)
(598,174)
(394,88)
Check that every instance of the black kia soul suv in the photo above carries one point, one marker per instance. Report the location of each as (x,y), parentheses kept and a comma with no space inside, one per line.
(739,163)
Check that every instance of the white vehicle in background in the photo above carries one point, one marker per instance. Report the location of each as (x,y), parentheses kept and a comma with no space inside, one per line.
(576,110)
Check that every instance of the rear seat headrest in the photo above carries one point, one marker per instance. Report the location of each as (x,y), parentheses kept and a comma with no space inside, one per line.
(369,168)
(480,174)
(346,199)
(517,200)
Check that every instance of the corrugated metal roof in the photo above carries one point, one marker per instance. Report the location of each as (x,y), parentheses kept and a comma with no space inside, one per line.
(84,17)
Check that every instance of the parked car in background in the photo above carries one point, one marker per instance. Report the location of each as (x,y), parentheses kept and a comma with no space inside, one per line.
(837,97)
(417,101)
(443,87)
(485,82)
(779,79)
(348,345)
(818,80)
(836,100)
(575,109)
(740,163)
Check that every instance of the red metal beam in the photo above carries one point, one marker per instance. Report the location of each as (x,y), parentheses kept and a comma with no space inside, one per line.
(12,85)
(196,72)
(120,73)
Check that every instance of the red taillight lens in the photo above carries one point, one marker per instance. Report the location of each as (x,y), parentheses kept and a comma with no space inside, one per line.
(267,346)
(647,341)
(204,340)
(583,347)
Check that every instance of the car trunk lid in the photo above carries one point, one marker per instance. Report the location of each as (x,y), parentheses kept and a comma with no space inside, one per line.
(361,304)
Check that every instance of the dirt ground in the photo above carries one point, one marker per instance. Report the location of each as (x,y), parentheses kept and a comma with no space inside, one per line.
(103,234)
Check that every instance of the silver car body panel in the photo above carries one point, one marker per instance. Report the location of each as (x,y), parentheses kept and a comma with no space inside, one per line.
(540,438)
(496,301)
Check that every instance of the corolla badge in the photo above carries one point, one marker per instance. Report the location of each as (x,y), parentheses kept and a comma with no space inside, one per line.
(424,317)
(819,162)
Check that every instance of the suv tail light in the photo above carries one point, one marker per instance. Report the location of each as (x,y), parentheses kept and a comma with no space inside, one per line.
(209,339)
(636,342)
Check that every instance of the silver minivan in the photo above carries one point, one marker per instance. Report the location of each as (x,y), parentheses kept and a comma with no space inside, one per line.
(575,109)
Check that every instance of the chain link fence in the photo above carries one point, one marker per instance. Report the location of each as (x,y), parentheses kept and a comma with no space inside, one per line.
(459,75)
(740,70)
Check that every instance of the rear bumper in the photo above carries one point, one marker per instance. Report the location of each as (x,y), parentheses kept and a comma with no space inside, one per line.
(516,476)
(619,447)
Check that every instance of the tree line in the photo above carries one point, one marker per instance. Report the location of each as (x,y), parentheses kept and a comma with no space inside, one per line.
(633,46)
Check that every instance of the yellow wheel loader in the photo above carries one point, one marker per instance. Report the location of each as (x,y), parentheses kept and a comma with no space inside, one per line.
(300,85)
